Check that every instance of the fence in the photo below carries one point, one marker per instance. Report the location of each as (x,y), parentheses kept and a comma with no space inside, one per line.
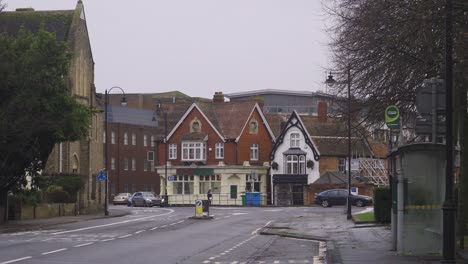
(247,199)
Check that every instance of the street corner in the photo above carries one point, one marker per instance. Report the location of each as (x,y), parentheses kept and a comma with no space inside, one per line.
(203,217)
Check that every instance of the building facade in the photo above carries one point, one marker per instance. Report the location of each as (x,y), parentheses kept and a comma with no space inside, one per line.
(219,146)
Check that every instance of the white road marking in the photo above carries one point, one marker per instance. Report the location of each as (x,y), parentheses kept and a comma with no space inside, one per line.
(211,258)
(206,261)
(173,224)
(301,239)
(111,224)
(255,231)
(268,223)
(16,260)
(82,245)
(273,210)
(54,251)
(141,231)
(110,239)
(154,228)
(163,226)
(240,213)
(129,235)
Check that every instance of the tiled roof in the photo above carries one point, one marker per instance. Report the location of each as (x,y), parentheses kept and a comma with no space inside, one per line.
(275,120)
(58,22)
(334,177)
(232,116)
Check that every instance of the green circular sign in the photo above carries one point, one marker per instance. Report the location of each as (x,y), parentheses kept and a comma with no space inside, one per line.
(392,116)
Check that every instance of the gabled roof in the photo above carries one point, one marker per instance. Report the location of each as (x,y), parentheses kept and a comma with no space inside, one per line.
(232,116)
(295,121)
(264,120)
(192,107)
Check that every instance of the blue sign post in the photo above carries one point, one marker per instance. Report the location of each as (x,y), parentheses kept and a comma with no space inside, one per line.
(101,176)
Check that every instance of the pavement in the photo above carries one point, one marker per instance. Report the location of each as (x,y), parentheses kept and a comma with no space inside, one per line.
(37,224)
(346,241)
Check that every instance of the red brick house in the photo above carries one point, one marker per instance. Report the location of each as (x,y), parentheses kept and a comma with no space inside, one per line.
(222,146)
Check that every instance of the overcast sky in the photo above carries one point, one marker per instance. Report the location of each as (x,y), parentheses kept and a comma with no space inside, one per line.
(200,47)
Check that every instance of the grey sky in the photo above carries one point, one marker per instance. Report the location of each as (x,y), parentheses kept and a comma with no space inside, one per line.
(202,46)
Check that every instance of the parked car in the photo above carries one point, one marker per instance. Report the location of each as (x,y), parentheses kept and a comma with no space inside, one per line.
(144,199)
(339,196)
(121,198)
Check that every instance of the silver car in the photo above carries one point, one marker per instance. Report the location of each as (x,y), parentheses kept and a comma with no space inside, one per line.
(146,199)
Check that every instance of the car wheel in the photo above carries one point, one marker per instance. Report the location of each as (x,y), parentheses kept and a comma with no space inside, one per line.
(359,203)
(325,203)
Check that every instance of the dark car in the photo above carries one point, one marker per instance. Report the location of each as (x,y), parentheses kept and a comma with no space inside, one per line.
(147,199)
(339,196)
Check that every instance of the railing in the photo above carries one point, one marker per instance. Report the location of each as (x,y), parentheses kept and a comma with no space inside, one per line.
(246,199)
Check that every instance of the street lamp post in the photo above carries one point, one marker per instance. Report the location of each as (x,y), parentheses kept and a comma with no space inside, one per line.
(330,81)
(123,102)
(160,109)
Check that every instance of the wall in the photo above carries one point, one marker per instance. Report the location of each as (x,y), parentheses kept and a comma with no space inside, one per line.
(26,212)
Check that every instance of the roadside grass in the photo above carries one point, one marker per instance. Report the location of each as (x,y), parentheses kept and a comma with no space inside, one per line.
(364,217)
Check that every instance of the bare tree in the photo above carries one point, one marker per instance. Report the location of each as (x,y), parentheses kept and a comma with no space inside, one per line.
(391,46)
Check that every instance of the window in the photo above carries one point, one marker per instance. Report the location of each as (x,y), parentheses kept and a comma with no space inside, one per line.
(146,165)
(104,137)
(295,138)
(295,164)
(125,188)
(133,164)
(145,141)
(112,163)
(133,139)
(208,182)
(112,137)
(183,184)
(193,151)
(342,165)
(254,152)
(172,151)
(152,140)
(252,182)
(219,150)
(125,163)
(125,138)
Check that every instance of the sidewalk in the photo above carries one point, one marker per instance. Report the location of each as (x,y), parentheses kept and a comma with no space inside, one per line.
(347,243)
(35,224)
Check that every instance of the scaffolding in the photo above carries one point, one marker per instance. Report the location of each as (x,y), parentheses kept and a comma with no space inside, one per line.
(372,170)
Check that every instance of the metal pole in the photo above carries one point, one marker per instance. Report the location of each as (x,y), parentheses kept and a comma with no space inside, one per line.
(165,156)
(348,200)
(448,207)
(106,161)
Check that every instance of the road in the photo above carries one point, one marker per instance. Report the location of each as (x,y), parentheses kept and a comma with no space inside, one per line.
(164,235)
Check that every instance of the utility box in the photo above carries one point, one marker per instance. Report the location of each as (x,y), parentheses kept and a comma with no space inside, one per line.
(421,185)
(253,198)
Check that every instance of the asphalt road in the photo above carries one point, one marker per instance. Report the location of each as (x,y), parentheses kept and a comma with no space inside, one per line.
(164,235)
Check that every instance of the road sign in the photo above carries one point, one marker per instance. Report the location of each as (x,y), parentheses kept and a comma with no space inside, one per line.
(171,178)
(101,176)
(392,117)
(198,208)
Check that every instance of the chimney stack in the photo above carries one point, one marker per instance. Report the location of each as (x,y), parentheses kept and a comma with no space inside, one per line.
(322,111)
(218,97)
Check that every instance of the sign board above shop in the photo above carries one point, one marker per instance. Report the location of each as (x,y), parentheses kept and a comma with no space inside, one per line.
(195,171)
